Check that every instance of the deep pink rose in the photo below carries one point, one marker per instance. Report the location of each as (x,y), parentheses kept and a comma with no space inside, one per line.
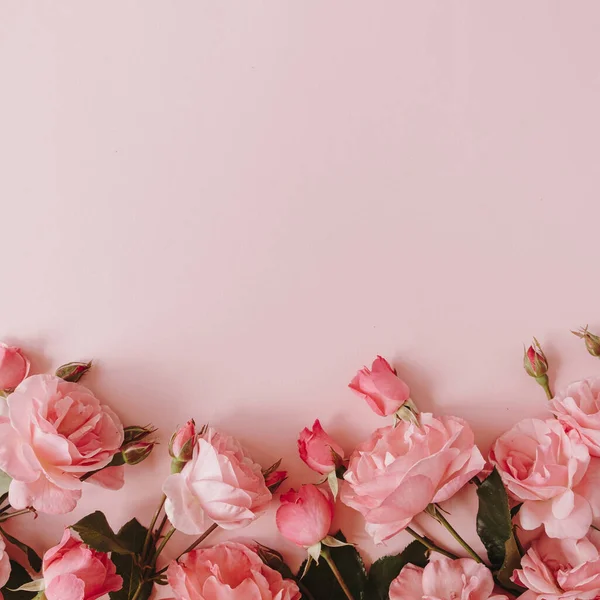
(578,408)
(220,483)
(541,466)
(228,571)
(445,579)
(560,569)
(14,367)
(4,565)
(383,390)
(73,571)
(316,449)
(305,516)
(395,474)
(55,432)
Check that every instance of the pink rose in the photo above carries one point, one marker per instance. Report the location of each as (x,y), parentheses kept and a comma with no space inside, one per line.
(181,445)
(557,569)
(305,516)
(73,571)
(395,474)
(14,367)
(445,579)
(4,565)
(221,483)
(383,390)
(55,432)
(228,571)
(316,449)
(578,408)
(541,466)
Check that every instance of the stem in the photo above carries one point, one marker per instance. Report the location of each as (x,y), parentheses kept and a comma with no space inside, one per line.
(305,591)
(17,513)
(327,556)
(430,545)
(138,590)
(162,545)
(436,513)
(150,532)
(545,383)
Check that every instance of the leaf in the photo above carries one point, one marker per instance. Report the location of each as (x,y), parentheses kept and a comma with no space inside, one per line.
(387,568)
(511,562)
(32,556)
(95,531)
(18,577)
(273,559)
(131,535)
(321,583)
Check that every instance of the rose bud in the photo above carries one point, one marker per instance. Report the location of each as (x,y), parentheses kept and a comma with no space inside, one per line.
(136,433)
(536,366)
(592,342)
(381,387)
(274,480)
(305,516)
(318,450)
(181,446)
(137,452)
(14,367)
(73,371)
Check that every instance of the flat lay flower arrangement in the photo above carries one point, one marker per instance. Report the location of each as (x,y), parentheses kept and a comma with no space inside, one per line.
(537,517)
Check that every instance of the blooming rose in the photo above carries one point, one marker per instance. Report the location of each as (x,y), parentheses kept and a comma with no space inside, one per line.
(445,579)
(73,571)
(228,571)
(14,367)
(305,516)
(221,483)
(395,474)
(555,568)
(55,432)
(4,565)
(383,390)
(316,449)
(541,466)
(578,408)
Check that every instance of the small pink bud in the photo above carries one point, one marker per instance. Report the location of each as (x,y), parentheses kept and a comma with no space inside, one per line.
(592,342)
(14,367)
(319,451)
(275,479)
(137,433)
(73,371)
(181,445)
(137,452)
(381,387)
(535,361)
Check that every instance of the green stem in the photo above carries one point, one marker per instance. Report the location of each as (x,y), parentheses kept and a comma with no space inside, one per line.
(138,590)
(430,545)
(150,532)
(545,383)
(162,545)
(434,511)
(327,556)
(17,513)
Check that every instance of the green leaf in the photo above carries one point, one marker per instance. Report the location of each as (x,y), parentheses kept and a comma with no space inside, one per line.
(273,559)
(387,568)
(131,535)
(322,584)
(95,531)
(18,577)
(494,527)
(32,556)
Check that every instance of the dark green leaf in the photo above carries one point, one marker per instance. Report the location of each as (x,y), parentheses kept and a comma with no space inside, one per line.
(273,559)
(131,535)
(321,582)
(18,577)
(32,556)
(511,562)
(95,531)
(386,569)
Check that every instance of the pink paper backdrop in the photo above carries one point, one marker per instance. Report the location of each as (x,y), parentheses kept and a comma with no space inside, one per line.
(231,206)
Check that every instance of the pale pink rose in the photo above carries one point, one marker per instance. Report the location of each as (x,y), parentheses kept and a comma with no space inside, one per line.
(383,390)
(181,445)
(578,408)
(4,565)
(316,449)
(221,483)
(73,571)
(541,466)
(54,433)
(305,516)
(560,569)
(395,474)
(445,579)
(228,571)
(14,367)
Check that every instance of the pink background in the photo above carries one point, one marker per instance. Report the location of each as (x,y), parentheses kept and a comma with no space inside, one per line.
(232,206)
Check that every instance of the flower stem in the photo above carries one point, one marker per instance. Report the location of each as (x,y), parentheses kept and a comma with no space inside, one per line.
(138,590)
(545,383)
(429,545)
(16,513)
(162,545)
(329,560)
(150,532)
(434,511)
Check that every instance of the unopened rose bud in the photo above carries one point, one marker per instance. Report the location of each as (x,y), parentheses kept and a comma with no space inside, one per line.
(274,480)
(135,453)
(181,446)
(536,365)
(14,367)
(592,342)
(73,371)
(136,433)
